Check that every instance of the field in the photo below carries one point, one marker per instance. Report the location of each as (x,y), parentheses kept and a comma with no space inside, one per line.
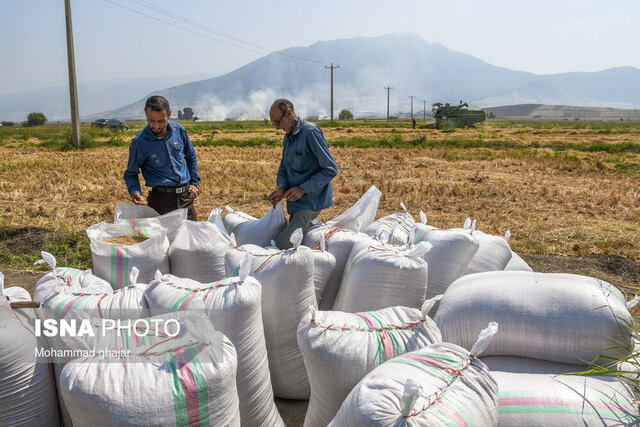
(567,191)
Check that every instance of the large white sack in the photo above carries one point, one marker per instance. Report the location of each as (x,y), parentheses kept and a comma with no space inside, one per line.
(563,318)
(75,281)
(145,216)
(517,263)
(381,276)
(233,306)
(113,262)
(250,230)
(449,256)
(440,384)
(397,225)
(287,292)
(183,385)
(536,393)
(16,294)
(27,391)
(197,252)
(340,348)
(365,208)
(339,242)
(494,252)
(323,265)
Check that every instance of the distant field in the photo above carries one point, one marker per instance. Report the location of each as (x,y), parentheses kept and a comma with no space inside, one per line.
(560,188)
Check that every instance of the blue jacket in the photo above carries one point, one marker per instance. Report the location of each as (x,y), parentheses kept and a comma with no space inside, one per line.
(308,163)
(169,161)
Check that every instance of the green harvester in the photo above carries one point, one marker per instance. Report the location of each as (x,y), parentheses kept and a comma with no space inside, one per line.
(456,116)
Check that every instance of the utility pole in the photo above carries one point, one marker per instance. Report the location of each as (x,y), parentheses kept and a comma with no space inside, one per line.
(411,96)
(73,91)
(388,89)
(332,67)
(424,111)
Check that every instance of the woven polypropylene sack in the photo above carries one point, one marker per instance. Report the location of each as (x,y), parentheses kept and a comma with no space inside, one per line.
(380,277)
(287,292)
(517,263)
(339,243)
(537,393)
(16,294)
(563,318)
(363,211)
(27,391)
(449,256)
(250,230)
(323,265)
(398,225)
(339,349)
(70,278)
(440,384)
(145,216)
(234,308)
(494,253)
(113,261)
(188,386)
(198,250)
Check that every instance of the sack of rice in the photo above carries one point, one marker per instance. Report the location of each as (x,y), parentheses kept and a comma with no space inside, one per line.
(339,242)
(323,265)
(74,280)
(439,384)
(365,208)
(113,258)
(397,225)
(517,263)
(192,383)
(381,276)
(449,256)
(494,252)
(16,294)
(233,305)
(562,318)
(536,393)
(287,292)
(145,216)
(27,390)
(250,230)
(339,349)
(197,252)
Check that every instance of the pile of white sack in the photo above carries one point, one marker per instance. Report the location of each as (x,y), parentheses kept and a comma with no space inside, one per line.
(374,320)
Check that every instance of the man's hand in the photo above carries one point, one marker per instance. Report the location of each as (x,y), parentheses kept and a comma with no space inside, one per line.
(294,193)
(275,197)
(138,198)
(193,191)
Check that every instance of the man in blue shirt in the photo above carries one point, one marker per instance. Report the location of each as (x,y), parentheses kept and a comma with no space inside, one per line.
(164,154)
(306,170)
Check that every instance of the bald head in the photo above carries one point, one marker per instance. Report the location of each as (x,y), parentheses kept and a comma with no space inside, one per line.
(283,115)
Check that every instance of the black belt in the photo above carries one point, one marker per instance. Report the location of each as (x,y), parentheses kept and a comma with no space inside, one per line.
(177,190)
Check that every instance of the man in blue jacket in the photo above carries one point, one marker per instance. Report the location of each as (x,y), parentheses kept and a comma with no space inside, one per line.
(306,170)
(164,154)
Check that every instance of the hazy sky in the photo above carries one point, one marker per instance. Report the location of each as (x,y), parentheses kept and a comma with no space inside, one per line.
(125,39)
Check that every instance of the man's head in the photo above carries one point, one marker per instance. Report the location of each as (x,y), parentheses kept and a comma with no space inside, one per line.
(282,115)
(158,113)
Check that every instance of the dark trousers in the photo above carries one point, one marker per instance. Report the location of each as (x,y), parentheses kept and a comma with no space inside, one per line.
(164,203)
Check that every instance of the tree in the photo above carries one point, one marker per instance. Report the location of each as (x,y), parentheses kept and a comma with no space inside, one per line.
(36,119)
(6,123)
(180,115)
(187,113)
(345,114)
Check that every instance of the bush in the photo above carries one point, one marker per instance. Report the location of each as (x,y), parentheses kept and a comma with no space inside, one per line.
(36,119)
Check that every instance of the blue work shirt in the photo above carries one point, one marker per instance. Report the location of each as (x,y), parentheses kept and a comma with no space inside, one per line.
(169,161)
(308,163)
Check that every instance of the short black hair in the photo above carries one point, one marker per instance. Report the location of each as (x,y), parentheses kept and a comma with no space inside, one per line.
(157,103)
(284,105)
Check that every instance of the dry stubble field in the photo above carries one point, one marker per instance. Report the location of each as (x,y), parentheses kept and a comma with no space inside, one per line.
(561,204)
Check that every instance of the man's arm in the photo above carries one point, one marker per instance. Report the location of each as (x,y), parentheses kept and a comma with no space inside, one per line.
(191,160)
(328,169)
(131,173)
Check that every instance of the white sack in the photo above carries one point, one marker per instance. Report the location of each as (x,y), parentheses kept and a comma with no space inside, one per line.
(323,265)
(250,230)
(517,263)
(397,225)
(339,349)
(380,276)
(365,208)
(145,216)
(494,253)
(339,243)
(17,294)
(113,262)
(234,308)
(287,292)
(535,393)
(563,318)
(197,252)
(440,384)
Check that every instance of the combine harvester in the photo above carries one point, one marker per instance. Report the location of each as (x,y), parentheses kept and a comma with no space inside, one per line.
(456,116)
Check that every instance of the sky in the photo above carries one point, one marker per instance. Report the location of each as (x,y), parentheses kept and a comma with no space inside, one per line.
(133,39)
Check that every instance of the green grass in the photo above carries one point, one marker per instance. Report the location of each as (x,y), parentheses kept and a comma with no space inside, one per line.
(70,248)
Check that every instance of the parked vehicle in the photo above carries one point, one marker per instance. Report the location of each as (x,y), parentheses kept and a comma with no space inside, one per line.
(456,116)
(109,123)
